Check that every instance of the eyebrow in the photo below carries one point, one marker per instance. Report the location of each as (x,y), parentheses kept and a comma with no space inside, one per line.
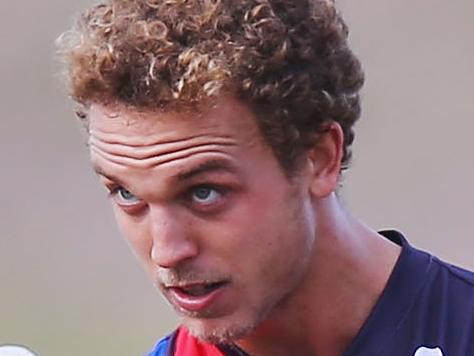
(214,165)
(101,173)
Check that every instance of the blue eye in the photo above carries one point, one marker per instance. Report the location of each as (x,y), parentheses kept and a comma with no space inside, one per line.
(125,197)
(205,195)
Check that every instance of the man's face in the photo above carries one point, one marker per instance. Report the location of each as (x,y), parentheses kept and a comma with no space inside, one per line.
(206,208)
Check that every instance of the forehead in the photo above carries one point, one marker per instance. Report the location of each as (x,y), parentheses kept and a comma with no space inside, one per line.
(228,117)
(132,145)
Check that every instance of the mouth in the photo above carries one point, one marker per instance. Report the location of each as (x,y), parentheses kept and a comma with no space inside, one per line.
(196,297)
(199,289)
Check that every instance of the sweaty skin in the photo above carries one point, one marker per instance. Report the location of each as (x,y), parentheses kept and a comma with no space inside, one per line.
(201,199)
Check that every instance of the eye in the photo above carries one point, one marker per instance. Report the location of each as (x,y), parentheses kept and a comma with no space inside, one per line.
(205,195)
(123,196)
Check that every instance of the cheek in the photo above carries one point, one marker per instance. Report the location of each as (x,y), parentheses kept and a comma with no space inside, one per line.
(283,244)
(262,241)
(281,251)
(135,234)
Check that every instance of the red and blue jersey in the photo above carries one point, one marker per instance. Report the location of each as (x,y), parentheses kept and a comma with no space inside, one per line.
(181,342)
(426,309)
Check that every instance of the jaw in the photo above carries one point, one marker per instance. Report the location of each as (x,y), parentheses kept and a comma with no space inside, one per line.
(223,331)
(250,321)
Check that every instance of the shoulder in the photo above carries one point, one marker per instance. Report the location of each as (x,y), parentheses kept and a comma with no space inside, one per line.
(446,304)
(182,343)
(452,281)
(461,275)
(454,287)
(164,346)
(430,301)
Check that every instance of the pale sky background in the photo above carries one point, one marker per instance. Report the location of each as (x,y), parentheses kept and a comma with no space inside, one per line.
(70,286)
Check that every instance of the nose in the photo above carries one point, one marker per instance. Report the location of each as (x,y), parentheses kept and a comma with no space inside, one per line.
(171,243)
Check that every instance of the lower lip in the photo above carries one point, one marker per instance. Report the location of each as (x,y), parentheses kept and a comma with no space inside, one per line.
(195,303)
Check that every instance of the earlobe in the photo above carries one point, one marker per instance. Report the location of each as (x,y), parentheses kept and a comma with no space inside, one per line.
(324,161)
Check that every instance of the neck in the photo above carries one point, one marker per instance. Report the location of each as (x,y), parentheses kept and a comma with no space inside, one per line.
(350,269)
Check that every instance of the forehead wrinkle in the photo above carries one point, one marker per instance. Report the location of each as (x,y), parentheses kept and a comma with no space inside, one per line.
(156,161)
(145,140)
(158,149)
(163,177)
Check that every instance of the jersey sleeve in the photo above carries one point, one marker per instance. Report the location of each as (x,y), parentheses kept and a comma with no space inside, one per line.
(162,348)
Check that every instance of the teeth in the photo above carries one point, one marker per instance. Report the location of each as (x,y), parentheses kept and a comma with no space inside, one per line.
(196,291)
(200,290)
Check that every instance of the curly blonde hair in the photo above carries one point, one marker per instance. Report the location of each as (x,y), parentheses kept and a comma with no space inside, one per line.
(288,60)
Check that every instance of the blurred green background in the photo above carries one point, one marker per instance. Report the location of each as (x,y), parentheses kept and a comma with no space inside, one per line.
(69,285)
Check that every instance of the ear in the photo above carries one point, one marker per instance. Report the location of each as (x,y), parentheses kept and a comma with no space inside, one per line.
(324,161)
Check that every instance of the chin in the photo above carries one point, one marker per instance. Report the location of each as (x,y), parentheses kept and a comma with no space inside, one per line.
(221,330)
(230,326)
